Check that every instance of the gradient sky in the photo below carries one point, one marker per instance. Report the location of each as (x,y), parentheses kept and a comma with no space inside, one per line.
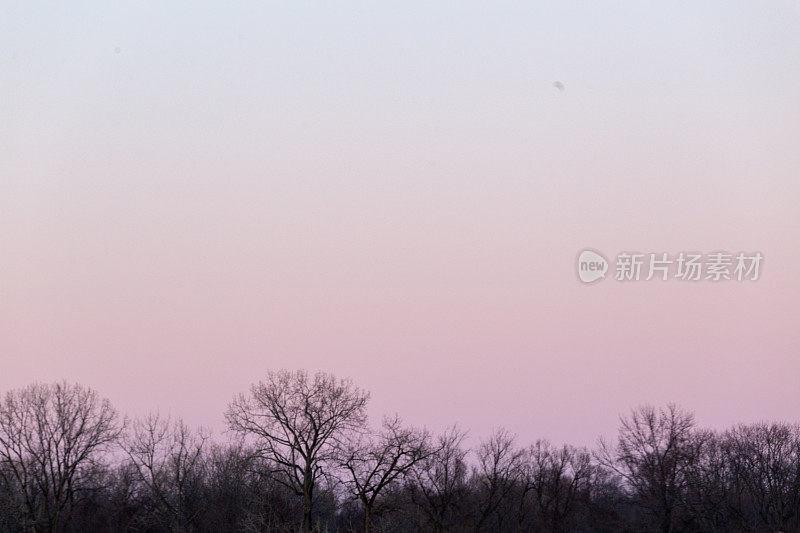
(191,195)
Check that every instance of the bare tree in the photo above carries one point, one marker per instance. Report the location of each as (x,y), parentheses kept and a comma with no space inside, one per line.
(765,463)
(709,481)
(50,435)
(373,462)
(496,475)
(439,487)
(653,455)
(554,478)
(297,421)
(168,458)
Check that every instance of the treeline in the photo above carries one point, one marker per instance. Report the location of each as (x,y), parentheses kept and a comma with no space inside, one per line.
(304,459)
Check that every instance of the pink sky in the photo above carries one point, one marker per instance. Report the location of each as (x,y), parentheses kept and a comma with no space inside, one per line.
(401,199)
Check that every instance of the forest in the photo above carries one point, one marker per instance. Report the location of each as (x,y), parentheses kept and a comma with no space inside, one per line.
(301,455)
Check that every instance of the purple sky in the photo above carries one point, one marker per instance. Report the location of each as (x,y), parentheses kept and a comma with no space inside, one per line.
(190,197)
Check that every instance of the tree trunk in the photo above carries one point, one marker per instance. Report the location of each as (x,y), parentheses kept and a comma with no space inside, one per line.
(307,513)
(666,524)
(367,518)
(308,495)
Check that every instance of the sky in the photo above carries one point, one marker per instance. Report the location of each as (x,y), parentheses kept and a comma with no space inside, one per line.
(193,194)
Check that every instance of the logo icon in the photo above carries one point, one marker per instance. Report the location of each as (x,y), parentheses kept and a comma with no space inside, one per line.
(591,266)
